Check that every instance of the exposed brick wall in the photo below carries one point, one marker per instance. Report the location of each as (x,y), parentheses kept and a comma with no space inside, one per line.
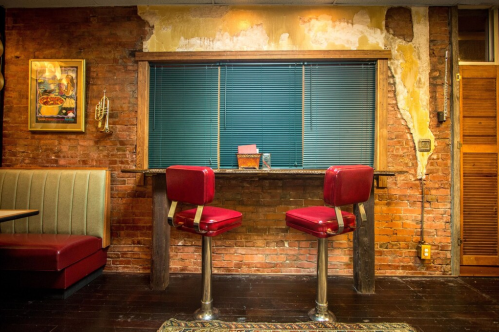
(398,207)
(398,22)
(438,185)
(107,39)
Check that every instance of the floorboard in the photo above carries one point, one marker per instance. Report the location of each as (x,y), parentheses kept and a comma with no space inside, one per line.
(124,302)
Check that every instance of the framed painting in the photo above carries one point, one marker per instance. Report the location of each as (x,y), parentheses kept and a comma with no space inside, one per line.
(57,95)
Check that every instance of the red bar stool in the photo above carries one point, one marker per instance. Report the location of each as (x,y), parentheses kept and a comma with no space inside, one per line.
(196,185)
(343,185)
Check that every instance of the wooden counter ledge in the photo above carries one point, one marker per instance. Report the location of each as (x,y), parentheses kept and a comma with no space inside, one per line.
(259,172)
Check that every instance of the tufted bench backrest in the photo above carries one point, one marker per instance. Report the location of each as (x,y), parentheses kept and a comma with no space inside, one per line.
(70,201)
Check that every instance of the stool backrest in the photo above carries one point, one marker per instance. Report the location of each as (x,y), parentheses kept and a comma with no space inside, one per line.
(344,185)
(190,184)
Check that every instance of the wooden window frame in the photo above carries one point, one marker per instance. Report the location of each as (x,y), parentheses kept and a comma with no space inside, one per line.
(381,56)
(494,40)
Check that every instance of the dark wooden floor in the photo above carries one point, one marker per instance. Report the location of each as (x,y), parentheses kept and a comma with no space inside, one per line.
(124,302)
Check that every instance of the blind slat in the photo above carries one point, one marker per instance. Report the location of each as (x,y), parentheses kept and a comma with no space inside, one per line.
(261,105)
(183,115)
(339,108)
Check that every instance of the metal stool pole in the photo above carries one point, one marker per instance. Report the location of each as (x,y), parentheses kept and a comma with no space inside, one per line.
(206,312)
(320,312)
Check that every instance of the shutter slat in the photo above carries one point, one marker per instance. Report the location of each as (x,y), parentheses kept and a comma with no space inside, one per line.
(480,195)
(479,111)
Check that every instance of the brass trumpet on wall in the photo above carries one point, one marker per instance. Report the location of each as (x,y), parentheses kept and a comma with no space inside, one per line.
(101,112)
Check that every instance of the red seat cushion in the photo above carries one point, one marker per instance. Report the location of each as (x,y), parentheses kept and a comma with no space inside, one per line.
(214,220)
(45,252)
(317,220)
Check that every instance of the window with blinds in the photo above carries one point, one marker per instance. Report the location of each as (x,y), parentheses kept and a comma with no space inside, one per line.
(307,115)
(339,106)
(183,115)
(261,104)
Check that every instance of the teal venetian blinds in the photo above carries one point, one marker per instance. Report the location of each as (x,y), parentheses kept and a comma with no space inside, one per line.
(183,115)
(261,104)
(339,108)
(307,115)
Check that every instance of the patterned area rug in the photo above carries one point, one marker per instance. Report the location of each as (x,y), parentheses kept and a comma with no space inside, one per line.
(174,325)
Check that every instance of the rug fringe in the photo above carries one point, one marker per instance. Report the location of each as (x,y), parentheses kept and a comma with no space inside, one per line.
(174,325)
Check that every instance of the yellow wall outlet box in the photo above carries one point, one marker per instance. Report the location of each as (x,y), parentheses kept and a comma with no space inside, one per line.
(424,251)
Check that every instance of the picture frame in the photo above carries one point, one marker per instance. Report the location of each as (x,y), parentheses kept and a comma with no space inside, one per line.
(57,95)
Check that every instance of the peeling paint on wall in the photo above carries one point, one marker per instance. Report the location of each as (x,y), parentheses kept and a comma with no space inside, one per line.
(252,39)
(410,65)
(231,28)
(324,33)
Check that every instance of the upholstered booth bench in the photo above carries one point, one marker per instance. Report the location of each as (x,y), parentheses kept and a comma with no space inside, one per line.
(63,247)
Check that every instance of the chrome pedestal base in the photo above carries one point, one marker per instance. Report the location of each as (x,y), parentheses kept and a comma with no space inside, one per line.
(206,312)
(321,314)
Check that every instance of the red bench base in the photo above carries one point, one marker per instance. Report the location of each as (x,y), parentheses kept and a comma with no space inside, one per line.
(66,277)
(61,260)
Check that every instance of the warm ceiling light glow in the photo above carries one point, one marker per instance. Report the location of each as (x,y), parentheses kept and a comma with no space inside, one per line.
(244,25)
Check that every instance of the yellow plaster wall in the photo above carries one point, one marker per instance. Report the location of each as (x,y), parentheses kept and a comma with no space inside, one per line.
(237,28)
(410,65)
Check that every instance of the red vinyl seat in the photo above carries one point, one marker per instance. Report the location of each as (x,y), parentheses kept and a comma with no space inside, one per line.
(196,185)
(343,185)
(55,261)
(214,220)
(319,221)
(45,252)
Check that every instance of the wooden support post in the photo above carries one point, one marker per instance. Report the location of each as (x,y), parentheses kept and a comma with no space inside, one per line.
(160,264)
(142,161)
(363,249)
(455,116)
(381,140)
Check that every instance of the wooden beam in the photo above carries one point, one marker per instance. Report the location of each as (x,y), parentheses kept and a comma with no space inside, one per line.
(160,263)
(456,153)
(263,55)
(363,249)
(381,137)
(142,150)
